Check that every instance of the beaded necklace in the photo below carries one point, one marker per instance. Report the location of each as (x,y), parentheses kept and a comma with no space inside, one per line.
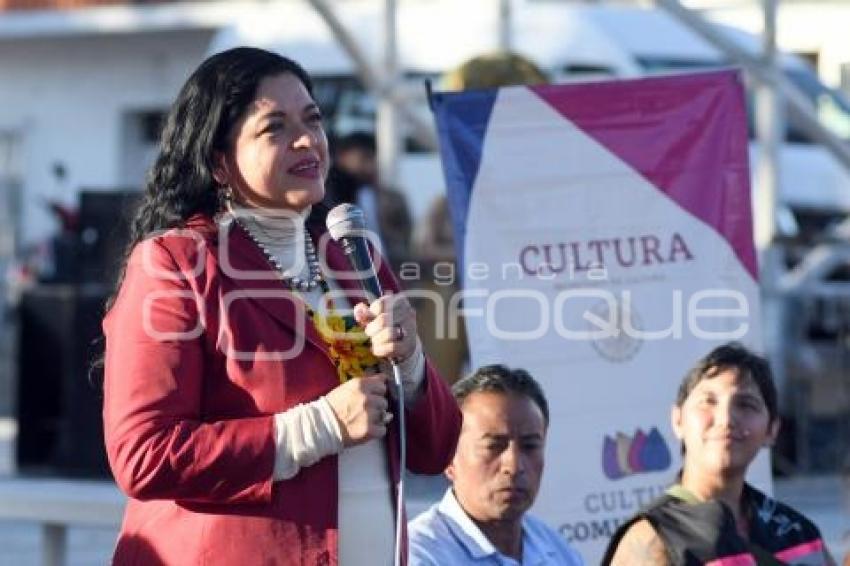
(348,345)
(314,277)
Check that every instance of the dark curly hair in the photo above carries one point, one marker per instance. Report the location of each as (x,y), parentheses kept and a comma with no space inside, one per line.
(181,184)
(498,378)
(215,97)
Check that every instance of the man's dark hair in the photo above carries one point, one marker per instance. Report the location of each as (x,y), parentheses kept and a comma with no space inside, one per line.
(748,365)
(498,378)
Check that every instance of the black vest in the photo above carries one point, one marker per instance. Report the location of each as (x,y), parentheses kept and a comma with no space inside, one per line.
(697,533)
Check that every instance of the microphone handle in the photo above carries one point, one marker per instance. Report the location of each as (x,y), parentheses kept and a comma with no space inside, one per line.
(357,251)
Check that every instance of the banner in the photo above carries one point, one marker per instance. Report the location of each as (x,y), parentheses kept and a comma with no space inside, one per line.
(604,234)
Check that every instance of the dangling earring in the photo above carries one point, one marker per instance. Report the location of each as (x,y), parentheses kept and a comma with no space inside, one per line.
(225,197)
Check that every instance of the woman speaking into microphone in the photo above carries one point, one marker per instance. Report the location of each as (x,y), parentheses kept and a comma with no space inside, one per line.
(248,411)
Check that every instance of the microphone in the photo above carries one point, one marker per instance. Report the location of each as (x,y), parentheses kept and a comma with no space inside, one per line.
(347,225)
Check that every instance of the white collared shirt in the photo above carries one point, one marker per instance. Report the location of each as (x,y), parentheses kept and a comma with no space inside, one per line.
(445,534)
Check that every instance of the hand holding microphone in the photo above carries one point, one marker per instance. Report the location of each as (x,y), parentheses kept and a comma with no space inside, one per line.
(389,321)
(390,324)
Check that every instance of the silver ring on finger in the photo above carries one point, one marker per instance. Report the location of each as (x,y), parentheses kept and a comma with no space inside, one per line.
(399,333)
(386,417)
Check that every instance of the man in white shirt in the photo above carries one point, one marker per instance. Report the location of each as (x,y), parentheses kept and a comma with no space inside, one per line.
(495,475)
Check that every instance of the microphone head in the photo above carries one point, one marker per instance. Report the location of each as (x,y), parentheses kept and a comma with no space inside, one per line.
(346,221)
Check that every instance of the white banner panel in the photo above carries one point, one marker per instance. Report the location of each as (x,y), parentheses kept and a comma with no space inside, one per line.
(606,244)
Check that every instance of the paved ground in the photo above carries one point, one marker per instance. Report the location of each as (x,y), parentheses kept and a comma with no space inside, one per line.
(19,545)
(826,499)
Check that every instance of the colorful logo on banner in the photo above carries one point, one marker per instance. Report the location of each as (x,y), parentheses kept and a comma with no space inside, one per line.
(625,455)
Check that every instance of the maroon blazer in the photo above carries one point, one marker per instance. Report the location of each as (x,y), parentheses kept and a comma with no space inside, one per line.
(199,356)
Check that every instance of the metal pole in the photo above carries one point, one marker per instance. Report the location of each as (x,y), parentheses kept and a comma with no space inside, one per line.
(387,126)
(54,544)
(769,131)
(505,19)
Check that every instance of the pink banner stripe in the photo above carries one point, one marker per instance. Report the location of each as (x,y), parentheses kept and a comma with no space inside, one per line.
(815,546)
(745,559)
(686,134)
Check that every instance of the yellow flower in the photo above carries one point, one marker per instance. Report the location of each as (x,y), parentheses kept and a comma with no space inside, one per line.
(348,345)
